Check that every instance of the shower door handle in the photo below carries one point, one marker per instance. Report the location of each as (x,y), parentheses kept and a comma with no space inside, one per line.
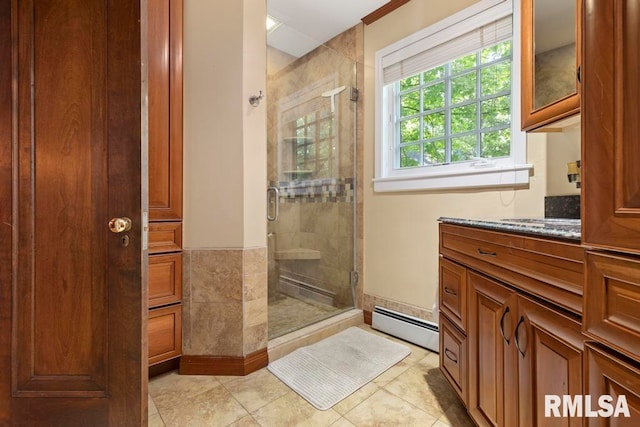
(273,194)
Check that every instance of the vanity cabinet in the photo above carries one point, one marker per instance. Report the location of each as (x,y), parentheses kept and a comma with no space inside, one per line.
(551,50)
(164,46)
(519,342)
(611,199)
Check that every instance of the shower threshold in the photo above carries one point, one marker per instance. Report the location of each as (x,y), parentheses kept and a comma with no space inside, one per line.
(285,344)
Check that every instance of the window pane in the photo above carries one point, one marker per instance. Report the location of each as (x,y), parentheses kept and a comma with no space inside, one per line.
(410,104)
(300,132)
(496,111)
(464,63)
(434,96)
(410,156)
(463,148)
(496,144)
(433,125)
(311,130)
(325,129)
(495,52)
(323,170)
(311,117)
(311,151)
(410,130)
(434,152)
(463,119)
(410,82)
(323,150)
(433,74)
(496,78)
(463,88)
(300,122)
(300,155)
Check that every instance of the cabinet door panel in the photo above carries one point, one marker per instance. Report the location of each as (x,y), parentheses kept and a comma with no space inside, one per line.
(165,109)
(492,369)
(608,375)
(612,298)
(610,133)
(549,362)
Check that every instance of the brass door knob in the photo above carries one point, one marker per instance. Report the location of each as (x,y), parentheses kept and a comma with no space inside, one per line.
(119,225)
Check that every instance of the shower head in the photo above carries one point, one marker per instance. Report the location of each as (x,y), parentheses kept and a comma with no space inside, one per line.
(332,94)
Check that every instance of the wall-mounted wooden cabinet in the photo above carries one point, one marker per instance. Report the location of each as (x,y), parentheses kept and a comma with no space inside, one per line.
(551,49)
(164,18)
(611,199)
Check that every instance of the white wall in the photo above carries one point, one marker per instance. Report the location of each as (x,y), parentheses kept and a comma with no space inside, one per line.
(401,230)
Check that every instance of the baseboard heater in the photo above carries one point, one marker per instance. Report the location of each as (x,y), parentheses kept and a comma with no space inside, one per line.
(409,328)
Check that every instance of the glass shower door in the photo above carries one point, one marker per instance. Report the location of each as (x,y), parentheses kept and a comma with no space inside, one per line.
(311,190)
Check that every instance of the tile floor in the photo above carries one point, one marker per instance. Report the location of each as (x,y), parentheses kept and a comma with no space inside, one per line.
(288,314)
(411,393)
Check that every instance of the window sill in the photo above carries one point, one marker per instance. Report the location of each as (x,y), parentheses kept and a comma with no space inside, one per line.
(501,176)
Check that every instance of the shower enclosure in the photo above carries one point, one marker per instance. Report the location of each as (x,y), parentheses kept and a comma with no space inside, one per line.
(311,114)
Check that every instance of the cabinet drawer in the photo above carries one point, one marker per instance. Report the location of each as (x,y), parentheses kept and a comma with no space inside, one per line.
(453,357)
(165,279)
(609,375)
(165,333)
(612,301)
(552,270)
(165,237)
(453,292)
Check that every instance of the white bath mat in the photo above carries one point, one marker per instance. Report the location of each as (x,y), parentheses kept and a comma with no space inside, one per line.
(330,370)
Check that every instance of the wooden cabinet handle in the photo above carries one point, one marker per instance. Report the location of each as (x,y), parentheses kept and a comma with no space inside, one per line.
(515,336)
(506,310)
(450,355)
(450,291)
(486,253)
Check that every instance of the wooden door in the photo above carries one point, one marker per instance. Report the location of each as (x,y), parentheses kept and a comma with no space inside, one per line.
(610,134)
(492,363)
(550,348)
(72,338)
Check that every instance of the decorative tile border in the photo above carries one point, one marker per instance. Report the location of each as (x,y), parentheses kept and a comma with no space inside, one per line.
(327,190)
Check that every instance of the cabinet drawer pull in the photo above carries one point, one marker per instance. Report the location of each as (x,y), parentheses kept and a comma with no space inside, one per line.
(515,336)
(486,253)
(450,355)
(506,310)
(450,291)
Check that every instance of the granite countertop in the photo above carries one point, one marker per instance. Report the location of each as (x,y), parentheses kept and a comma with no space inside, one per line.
(546,227)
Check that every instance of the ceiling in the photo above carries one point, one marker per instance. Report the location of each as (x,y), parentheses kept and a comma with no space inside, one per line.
(306,24)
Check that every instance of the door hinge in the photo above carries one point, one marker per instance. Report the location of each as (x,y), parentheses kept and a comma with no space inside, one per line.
(354,94)
(353,278)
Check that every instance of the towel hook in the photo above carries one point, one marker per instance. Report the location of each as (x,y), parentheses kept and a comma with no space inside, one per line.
(254,100)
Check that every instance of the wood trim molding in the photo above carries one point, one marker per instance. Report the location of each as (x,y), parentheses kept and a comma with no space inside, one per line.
(383,10)
(224,365)
(368,317)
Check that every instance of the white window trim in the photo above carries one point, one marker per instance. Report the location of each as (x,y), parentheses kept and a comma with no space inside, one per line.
(511,172)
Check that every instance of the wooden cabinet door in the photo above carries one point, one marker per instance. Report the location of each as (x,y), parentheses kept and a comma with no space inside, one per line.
(492,362)
(165,109)
(610,133)
(550,348)
(609,375)
(72,338)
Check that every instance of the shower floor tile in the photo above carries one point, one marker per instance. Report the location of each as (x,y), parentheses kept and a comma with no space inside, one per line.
(287,314)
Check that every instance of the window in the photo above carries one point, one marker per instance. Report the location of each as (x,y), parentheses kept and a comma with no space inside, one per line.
(448,116)
(314,143)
